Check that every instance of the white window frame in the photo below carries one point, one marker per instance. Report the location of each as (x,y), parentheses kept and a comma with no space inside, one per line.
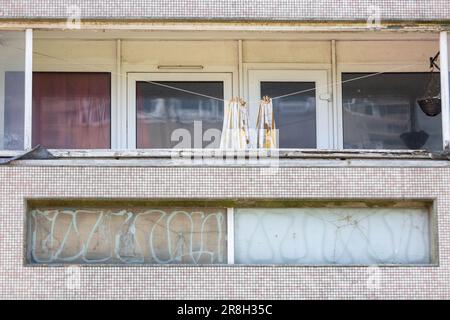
(28,112)
(445,87)
(120,118)
(324,114)
(365,68)
(225,77)
(28,94)
(84,66)
(230,236)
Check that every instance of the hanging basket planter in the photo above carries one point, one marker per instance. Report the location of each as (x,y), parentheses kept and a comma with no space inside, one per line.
(430,103)
(430,106)
(414,140)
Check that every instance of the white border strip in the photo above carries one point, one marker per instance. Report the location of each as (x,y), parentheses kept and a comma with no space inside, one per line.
(241,68)
(445,88)
(28,112)
(118,128)
(230,235)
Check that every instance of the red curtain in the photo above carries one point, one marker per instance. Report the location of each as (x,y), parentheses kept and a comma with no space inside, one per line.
(72,110)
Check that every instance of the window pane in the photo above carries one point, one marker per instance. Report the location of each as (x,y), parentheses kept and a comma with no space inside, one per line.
(135,235)
(12,90)
(381,112)
(295,115)
(448,44)
(161,110)
(346,236)
(72,110)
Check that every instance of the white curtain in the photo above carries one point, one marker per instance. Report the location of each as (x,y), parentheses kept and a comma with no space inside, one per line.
(235,132)
(265,126)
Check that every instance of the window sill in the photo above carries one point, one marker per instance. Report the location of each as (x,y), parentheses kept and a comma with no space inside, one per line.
(267,154)
(233,158)
(222,265)
(9,153)
(217,153)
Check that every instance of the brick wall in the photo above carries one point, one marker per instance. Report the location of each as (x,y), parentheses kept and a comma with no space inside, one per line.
(230,9)
(20,183)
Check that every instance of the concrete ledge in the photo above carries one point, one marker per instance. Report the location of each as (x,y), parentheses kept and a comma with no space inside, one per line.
(270,159)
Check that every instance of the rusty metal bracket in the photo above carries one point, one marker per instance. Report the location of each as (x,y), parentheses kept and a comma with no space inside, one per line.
(433,60)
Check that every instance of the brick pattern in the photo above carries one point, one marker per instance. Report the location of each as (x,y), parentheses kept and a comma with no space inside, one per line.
(230,9)
(218,282)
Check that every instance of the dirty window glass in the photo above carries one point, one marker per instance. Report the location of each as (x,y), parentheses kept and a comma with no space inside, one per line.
(295,115)
(448,93)
(323,236)
(171,118)
(138,235)
(381,111)
(12,90)
(72,110)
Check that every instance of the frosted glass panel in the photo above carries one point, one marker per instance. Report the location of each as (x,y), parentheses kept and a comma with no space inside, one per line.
(12,89)
(127,236)
(332,236)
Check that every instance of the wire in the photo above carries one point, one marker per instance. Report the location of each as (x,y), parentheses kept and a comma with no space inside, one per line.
(183,90)
(219,99)
(346,81)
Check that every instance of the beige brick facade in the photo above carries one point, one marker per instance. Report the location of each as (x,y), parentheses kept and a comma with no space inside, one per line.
(251,282)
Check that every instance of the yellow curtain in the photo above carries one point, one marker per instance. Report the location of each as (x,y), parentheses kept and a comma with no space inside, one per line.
(235,132)
(265,125)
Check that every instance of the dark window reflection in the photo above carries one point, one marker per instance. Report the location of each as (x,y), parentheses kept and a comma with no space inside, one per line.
(295,115)
(162,110)
(381,112)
